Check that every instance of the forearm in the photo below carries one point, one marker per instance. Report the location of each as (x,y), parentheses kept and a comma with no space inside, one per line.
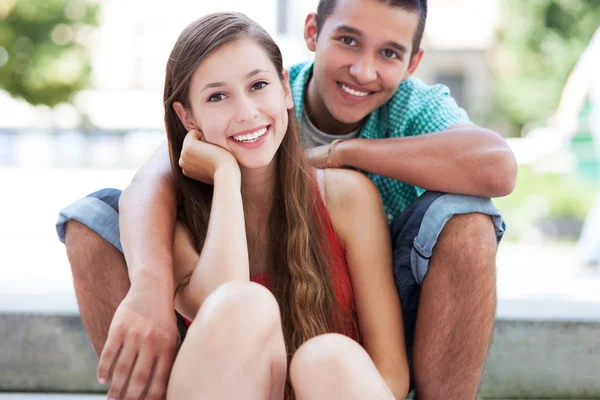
(465,160)
(224,256)
(147,216)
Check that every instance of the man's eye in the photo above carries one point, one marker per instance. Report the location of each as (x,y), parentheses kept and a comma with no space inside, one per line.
(216,97)
(348,41)
(390,53)
(259,85)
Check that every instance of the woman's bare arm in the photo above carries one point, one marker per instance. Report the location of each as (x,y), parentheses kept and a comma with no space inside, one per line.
(224,256)
(358,217)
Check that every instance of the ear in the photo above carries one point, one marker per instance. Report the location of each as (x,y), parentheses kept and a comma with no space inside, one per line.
(310,31)
(414,63)
(185,116)
(289,99)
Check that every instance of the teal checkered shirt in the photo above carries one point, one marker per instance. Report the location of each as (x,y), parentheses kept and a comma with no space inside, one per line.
(415,109)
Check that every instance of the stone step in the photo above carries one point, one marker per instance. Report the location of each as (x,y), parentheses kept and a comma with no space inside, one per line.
(549,359)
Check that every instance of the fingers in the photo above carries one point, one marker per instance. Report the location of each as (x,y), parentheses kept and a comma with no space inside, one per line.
(160,378)
(195,134)
(122,371)
(109,354)
(129,366)
(139,375)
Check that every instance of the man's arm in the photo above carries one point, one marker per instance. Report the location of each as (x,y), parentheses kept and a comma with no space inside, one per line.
(464,159)
(147,216)
(142,339)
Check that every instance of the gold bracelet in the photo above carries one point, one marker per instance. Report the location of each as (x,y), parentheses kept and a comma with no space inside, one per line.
(330,150)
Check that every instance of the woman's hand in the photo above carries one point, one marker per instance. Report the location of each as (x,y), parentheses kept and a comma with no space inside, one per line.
(201,161)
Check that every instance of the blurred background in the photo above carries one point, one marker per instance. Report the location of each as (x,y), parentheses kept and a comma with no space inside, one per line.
(80,109)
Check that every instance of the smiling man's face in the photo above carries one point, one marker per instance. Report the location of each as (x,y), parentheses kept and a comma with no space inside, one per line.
(363,53)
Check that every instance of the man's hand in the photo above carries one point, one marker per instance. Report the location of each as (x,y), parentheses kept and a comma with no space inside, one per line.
(141,347)
(317,156)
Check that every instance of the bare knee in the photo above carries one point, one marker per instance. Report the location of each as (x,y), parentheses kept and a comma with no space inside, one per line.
(463,227)
(468,236)
(76,232)
(243,313)
(465,254)
(332,352)
(86,249)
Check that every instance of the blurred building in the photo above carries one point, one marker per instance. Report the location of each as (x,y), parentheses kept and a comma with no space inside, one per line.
(457,41)
(119,120)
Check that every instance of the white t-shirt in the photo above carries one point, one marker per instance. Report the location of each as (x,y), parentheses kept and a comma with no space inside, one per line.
(313,136)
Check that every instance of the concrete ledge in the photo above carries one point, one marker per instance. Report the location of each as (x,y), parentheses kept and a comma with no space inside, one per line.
(43,353)
(543,359)
(528,359)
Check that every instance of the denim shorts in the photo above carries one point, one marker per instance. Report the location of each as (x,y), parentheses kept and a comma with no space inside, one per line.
(414,234)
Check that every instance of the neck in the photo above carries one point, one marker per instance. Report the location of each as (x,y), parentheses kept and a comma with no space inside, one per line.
(321,117)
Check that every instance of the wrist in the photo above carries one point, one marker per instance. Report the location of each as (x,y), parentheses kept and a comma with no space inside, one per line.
(332,155)
(342,153)
(228,174)
(154,280)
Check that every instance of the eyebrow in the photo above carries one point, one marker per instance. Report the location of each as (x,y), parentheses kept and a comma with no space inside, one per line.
(250,74)
(353,31)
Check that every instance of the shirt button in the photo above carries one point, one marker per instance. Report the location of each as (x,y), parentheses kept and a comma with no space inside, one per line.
(390,217)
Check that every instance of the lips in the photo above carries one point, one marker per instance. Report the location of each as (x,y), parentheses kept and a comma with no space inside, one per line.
(250,135)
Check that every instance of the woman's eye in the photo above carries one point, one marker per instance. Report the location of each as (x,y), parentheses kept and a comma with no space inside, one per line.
(390,54)
(216,97)
(259,85)
(348,41)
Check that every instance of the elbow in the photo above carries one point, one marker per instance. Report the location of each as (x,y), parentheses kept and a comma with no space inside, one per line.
(501,176)
(146,186)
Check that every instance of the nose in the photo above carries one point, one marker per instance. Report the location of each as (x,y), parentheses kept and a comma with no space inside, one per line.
(363,70)
(246,110)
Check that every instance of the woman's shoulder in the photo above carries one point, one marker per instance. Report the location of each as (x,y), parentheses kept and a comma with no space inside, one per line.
(347,186)
(348,195)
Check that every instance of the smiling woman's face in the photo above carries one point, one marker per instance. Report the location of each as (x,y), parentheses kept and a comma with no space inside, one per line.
(239,103)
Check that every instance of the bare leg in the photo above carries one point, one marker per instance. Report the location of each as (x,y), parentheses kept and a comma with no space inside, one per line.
(100,277)
(334,366)
(456,313)
(234,349)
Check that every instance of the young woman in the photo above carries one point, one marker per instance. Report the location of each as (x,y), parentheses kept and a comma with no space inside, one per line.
(275,262)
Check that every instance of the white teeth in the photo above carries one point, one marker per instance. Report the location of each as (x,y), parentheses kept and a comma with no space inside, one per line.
(250,137)
(354,92)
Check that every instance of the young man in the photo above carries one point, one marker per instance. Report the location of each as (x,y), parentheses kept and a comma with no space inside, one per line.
(435,189)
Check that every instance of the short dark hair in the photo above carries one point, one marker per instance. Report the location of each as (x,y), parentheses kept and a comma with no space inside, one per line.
(326,8)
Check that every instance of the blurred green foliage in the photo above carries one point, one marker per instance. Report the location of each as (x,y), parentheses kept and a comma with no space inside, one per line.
(539,43)
(545,196)
(43,48)
(566,195)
